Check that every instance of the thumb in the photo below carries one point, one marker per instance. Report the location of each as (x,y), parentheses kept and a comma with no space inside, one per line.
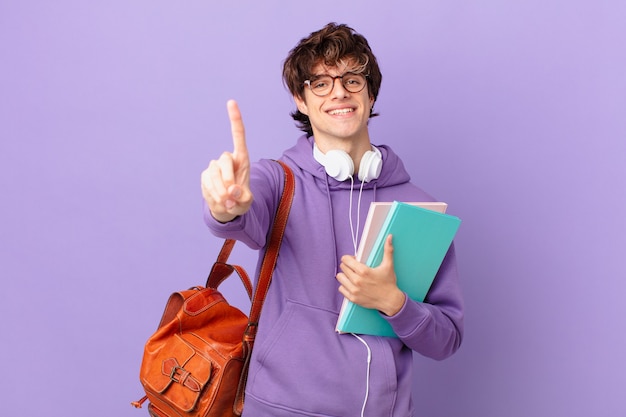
(239,199)
(388,252)
(235,191)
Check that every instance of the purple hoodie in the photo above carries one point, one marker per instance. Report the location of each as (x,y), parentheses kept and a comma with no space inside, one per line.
(300,366)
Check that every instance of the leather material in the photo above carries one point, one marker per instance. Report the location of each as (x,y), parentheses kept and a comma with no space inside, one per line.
(196,363)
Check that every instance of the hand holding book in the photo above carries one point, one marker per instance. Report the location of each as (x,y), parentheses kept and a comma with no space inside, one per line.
(422,235)
(373,288)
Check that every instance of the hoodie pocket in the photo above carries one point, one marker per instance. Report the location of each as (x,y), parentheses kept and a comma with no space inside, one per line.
(302,364)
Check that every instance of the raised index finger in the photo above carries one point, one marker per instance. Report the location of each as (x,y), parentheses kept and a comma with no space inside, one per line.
(240,149)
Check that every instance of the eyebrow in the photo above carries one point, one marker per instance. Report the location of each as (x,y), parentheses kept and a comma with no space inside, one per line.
(326,74)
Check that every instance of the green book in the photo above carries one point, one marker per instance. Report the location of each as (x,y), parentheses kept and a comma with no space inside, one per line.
(421,239)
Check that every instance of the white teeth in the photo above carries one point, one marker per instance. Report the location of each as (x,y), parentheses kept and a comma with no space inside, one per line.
(340,111)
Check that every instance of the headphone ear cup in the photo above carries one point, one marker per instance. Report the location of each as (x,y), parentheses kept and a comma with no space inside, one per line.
(371,165)
(338,165)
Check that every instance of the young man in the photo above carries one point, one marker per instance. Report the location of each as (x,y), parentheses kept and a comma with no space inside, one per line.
(300,365)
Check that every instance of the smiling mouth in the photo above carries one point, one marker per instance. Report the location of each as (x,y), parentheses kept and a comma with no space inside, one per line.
(338,112)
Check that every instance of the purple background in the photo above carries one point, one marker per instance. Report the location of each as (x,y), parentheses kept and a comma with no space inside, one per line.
(511,111)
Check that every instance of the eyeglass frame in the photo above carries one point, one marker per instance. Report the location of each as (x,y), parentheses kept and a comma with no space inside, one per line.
(366,83)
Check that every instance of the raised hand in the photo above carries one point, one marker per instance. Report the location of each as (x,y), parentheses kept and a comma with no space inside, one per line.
(226,182)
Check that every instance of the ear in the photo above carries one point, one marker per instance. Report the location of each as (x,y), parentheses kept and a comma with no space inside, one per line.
(301,104)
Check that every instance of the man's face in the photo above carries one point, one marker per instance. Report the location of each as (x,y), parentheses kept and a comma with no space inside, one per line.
(339,115)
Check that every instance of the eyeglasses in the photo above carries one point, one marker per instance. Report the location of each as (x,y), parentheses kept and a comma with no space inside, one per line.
(322,85)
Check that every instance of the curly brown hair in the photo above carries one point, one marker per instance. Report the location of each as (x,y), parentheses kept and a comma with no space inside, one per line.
(332,45)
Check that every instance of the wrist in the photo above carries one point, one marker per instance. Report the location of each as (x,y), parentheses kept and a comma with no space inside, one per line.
(395,304)
(224,218)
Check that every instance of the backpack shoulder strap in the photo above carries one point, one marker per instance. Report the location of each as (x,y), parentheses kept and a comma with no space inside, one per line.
(265,278)
(273,246)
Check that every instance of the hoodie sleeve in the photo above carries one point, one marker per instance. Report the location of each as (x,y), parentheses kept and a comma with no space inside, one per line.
(434,328)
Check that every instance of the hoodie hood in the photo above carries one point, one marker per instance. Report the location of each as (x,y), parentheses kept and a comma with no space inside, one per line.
(392,173)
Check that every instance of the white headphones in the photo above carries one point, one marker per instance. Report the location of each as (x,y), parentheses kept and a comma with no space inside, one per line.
(339,165)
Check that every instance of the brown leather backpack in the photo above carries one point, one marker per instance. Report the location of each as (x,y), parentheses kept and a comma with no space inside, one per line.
(196,363)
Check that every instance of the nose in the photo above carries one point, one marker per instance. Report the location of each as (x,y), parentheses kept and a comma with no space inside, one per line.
(339,90)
